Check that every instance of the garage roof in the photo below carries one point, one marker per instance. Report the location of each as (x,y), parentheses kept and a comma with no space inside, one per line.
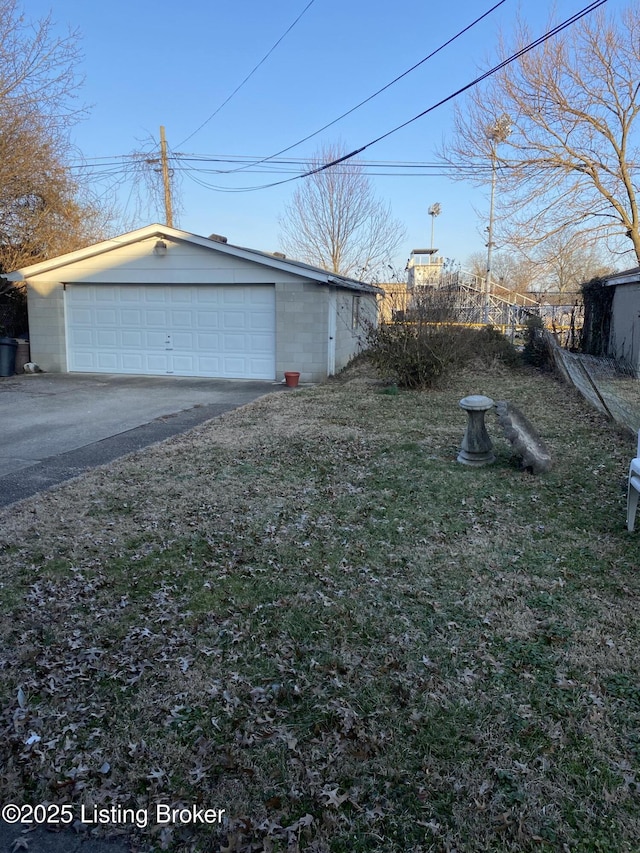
(277,262)
(631,276)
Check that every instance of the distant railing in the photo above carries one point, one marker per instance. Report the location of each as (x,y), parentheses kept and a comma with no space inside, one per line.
(468,301)
(476,283)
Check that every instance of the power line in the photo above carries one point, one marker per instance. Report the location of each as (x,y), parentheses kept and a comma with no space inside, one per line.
(215,165)
(120,165)
(554,31)
(284,165)
(127,162)
(536,43)
(249,75)
(369,167)
(384,88)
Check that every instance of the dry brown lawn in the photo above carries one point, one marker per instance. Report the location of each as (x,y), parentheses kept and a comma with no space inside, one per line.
(308,614)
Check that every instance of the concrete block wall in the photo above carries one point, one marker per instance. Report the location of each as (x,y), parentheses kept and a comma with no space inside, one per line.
(301,330)
(45,304)
(349,340)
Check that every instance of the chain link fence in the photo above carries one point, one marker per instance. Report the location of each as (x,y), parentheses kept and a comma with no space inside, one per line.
(611,387)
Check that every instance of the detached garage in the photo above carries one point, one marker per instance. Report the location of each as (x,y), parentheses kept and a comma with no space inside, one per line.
(163,301)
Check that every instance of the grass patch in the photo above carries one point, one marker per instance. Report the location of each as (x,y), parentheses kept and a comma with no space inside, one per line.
(307,613)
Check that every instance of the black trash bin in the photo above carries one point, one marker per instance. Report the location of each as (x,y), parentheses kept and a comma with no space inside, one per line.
(8,347)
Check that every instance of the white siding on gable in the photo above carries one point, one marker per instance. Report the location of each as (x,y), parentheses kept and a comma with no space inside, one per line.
(185,330)
(183,264)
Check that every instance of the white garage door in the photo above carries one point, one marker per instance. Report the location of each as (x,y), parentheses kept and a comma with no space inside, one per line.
(186,330)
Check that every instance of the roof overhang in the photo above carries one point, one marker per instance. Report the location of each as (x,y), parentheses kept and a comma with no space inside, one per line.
(158,231)
(631,276)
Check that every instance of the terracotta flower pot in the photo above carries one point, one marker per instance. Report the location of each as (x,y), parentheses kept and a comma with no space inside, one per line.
(291,378)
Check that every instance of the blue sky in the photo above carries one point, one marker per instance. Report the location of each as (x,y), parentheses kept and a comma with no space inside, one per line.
(156,63)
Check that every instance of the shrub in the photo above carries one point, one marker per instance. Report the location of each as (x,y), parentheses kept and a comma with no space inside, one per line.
(492,345)
(536,350)
(13,309)
(419,354)
(596,327)
(411,355)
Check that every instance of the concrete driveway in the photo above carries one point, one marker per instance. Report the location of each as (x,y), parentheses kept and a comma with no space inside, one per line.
(53,426)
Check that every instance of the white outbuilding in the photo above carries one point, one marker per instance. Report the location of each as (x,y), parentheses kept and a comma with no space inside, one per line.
(163,301)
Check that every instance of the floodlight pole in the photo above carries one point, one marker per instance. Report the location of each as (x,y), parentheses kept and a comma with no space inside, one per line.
(434,211)
(487,282)
(498,132)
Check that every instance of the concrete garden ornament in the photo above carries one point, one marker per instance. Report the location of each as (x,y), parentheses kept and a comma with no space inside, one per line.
(476,445)
(529,447)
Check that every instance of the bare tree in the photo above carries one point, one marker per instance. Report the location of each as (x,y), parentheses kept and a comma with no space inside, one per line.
(37,68)
(571,158)
(334,220)
(43,210)
(509,269)
(568,263)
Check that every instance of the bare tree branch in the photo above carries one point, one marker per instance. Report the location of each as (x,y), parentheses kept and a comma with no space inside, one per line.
(334,221)
(572,158)
(38,70)
(43,210)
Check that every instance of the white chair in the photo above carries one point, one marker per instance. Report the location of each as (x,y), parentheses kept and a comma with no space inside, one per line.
(633,489)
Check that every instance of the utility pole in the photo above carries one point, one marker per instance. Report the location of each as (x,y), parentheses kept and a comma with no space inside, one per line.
(168,213)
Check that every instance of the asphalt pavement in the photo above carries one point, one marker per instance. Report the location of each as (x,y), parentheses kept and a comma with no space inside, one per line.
(16,837)
(55,426)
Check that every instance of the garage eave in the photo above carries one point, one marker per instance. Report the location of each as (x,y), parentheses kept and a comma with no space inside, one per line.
(96,249)
(158,231)
(631,276)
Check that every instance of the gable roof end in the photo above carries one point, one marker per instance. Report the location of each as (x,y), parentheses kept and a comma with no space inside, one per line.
(156,230)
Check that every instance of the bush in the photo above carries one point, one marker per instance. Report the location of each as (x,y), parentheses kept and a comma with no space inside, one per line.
(411,355)
(596,326)
(422,354)
(13,309)
(536,350)
(492,345)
